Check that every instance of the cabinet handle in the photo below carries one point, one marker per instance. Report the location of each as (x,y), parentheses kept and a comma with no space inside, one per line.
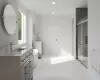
(23,60)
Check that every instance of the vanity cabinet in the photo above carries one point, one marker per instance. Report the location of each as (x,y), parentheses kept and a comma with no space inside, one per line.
(27,66)
(17,67)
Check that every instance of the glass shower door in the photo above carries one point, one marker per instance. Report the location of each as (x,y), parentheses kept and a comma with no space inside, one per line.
(79,42)
(83,43)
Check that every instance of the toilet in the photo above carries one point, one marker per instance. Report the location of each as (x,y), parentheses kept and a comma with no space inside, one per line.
(35,57)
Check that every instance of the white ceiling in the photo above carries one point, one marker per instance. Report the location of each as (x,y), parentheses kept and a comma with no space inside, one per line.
(62,7)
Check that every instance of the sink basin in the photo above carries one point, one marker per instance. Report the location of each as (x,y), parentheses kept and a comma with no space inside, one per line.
(21,49)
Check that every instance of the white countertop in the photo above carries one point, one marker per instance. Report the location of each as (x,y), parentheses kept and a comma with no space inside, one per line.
(20,53)
(3,52)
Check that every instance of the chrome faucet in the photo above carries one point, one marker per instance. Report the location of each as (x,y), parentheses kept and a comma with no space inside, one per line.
(11,44)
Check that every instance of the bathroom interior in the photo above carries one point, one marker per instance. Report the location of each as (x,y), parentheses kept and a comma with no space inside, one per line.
(49,40)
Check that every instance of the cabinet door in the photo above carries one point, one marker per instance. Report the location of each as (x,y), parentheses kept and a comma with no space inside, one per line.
(31,68)
(22,73)
(32,61)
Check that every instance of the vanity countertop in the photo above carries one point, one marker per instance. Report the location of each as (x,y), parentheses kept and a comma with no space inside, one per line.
(15,52)
(20,53)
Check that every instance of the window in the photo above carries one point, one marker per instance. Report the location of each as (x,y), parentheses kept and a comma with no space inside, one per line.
(19,25)
(21,28)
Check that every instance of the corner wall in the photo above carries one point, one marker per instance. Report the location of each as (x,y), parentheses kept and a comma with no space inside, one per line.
(30,24)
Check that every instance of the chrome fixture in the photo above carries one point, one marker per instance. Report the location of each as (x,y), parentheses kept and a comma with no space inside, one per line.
(11,44)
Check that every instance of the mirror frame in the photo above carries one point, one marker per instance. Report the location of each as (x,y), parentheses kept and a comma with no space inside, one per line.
(9,30)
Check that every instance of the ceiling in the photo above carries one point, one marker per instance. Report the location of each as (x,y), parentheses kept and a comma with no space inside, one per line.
(62,7)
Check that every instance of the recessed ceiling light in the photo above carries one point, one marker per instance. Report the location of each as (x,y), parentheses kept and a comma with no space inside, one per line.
(53,2)
(53,13)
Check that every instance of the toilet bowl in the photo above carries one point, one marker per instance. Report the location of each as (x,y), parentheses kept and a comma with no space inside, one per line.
(35,56)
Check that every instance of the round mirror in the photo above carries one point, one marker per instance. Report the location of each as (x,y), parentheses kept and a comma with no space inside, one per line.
(10,19)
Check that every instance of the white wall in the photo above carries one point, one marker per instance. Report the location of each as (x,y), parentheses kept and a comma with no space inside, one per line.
(31,22)
(5,38)
(56,34)
(94,34)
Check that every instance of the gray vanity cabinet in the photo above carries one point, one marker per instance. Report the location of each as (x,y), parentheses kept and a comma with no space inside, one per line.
(18,67)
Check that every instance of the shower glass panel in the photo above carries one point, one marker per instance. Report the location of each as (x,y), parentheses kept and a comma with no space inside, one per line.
(83,43)
(79,42)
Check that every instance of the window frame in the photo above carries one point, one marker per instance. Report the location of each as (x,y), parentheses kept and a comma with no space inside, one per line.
(23,29)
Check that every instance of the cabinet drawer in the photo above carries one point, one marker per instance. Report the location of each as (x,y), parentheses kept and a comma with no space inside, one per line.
(22,59)
(27,55)
(31,53)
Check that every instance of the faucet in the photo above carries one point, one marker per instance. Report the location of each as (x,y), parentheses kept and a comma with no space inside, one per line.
(11,45)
